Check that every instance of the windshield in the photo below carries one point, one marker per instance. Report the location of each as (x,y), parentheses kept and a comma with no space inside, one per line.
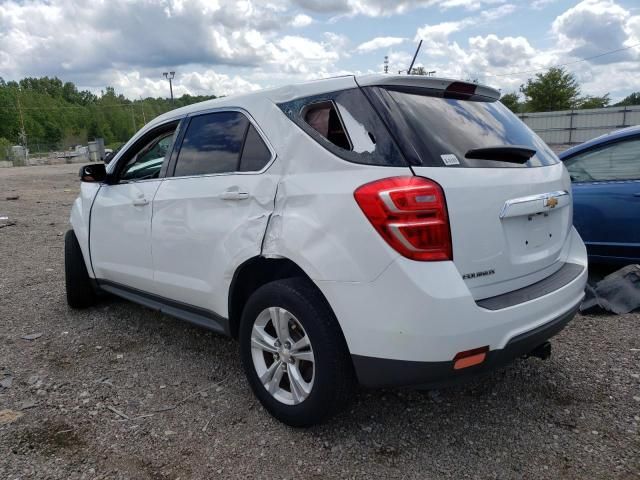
(434,131)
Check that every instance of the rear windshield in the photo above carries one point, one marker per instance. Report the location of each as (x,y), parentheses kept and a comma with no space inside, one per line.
(433,131)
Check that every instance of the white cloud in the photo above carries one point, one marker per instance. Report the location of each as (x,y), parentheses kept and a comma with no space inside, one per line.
(136,84)
(540,4)
(596,26)
(301,20)
(436,37)
(296,54)
(492,51)
(379,8)
(100,39)
(378,43)
(229,46)
(591,27)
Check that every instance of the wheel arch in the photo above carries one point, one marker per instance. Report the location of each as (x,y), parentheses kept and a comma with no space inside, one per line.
(256,272)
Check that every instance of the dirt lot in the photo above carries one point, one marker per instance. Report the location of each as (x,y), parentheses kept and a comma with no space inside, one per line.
(119,391)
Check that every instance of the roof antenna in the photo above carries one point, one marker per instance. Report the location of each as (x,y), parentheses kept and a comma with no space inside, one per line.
(414,58)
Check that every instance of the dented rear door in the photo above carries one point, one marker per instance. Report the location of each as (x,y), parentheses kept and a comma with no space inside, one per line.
(211,212)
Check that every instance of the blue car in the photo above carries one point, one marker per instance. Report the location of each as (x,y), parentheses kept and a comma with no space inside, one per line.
(605,173)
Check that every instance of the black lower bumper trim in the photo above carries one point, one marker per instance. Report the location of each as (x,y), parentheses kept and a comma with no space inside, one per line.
(383,372)
(567,274)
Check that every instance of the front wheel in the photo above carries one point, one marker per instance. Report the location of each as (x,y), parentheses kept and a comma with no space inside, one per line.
(294,354)
(80,293)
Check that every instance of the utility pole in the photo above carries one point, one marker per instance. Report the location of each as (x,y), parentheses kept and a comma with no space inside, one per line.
(169,76)
(386,64)
(133,119)
(23,132)
(144,119)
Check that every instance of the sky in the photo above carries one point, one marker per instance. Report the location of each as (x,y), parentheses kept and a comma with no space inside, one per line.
(224,47)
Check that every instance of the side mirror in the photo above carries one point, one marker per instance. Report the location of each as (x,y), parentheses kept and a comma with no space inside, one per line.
(94,172)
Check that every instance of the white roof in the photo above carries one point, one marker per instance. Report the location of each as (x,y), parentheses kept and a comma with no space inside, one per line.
(316,87)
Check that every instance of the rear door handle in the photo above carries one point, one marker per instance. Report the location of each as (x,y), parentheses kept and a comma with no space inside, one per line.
(636,194)
(234,195)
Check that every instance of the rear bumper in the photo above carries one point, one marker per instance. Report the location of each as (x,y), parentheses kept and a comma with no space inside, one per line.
(419,315)
(382,372)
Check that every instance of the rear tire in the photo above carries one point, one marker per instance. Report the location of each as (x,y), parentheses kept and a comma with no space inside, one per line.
(306,365)
(80,292)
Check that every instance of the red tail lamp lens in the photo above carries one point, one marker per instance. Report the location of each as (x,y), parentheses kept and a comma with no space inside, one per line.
(410,213)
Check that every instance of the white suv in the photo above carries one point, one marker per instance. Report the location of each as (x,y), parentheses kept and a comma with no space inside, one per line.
(380,230)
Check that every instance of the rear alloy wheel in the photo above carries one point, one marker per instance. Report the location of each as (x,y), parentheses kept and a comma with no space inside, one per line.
(294,354)
(282,355)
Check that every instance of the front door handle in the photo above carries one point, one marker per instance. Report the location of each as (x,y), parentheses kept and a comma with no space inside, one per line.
(234,195)
(140,202)
(636,194)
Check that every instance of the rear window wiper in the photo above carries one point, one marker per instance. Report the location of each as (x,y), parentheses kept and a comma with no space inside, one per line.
(502,153)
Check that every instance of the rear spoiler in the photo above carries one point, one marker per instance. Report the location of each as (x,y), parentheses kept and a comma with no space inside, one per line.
(446,85)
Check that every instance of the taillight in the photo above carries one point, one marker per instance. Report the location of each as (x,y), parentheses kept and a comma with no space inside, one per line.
(411,215)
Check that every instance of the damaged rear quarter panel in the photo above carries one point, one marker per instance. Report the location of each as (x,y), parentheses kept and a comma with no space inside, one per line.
(316,221)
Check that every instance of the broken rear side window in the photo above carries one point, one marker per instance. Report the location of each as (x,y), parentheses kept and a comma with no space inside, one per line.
(345,123)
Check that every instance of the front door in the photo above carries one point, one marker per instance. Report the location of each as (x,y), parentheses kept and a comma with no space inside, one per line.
(120,237)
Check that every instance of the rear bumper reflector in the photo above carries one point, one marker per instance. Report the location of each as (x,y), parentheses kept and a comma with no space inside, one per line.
(469,358)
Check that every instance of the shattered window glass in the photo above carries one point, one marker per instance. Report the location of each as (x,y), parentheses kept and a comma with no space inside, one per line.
(346,124)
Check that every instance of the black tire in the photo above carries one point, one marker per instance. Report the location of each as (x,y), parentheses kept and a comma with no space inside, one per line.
(80,292)
(334,378)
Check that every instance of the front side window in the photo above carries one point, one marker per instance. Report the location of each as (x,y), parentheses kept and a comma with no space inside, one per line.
(212,144)
(619,161)
(146,162)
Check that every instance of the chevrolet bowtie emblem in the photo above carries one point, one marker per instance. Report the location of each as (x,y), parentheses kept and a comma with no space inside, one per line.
(551,202)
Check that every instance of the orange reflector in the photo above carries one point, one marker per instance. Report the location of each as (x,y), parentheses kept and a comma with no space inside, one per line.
(469,358)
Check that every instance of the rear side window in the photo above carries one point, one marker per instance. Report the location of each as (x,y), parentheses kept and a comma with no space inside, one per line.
(212,144)
(323,117)
(618,161)
(346,124)
(434,131)
(255,153)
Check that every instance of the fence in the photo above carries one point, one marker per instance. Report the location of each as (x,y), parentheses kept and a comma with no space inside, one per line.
(577,126)
(18,156)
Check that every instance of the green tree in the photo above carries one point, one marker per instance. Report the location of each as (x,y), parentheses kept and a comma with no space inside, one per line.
(57,115)
(511,101)
(632,99)
(555,89)
(594,102)
(4,148)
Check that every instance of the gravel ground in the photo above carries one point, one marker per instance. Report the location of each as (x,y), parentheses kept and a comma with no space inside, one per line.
(119,391)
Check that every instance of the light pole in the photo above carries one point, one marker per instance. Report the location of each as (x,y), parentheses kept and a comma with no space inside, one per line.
(169,76)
